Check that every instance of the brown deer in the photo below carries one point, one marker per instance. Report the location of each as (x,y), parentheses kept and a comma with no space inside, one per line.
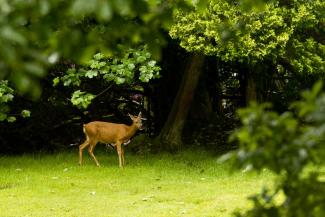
(109,133)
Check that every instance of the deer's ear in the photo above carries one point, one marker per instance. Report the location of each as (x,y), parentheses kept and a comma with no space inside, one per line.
(131,116)
(139,115)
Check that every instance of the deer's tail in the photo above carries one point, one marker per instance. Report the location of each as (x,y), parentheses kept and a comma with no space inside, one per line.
(84,129)
(85,132)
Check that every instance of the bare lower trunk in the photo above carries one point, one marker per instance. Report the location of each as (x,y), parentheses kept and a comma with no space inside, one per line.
(170,134)
(251,95)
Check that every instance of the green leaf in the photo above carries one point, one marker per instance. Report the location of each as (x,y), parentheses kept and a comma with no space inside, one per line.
(72,77)
(109,77)
(91,73)
(7,97)
(101,64)
(11,119)
(56,81)
(3,116)
(25,113)
(143,69)
(67,82)
(152,63)
(119,80)
(141,59)
(99,56)
(81,99)
(131,66)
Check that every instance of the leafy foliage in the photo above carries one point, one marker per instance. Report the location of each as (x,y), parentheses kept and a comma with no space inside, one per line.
(287,33)
(81,99)
(135,66)
(35,34)
(25,113)
(7,96)
(285,144)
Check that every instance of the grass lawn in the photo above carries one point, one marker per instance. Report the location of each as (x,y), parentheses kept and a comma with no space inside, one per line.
(190,183)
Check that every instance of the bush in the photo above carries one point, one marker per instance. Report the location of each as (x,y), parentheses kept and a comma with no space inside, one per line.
(285,144)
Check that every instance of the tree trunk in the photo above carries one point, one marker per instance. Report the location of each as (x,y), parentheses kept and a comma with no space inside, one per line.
(201,109)
(251,95)
(171,133)
(247,85)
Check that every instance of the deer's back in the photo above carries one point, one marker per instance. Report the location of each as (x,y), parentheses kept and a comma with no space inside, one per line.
(105,132)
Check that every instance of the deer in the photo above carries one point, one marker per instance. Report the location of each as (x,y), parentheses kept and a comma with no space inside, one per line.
(109,133)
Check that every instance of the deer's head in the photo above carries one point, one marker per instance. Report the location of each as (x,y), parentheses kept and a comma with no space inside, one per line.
(137,120)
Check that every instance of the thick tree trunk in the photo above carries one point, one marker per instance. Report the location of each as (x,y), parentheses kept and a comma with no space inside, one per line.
(247,85)
(170,134)
(201,108)
(251,95)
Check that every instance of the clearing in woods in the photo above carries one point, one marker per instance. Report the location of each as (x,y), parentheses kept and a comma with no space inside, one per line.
(190,183)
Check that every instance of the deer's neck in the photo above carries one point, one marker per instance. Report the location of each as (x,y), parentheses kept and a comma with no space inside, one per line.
(132,130)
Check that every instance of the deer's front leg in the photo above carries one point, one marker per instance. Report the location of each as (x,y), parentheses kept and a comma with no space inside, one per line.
(119,152)
(122,153)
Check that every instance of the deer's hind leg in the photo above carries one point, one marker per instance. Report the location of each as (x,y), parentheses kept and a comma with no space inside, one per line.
(81,148)
(91,151)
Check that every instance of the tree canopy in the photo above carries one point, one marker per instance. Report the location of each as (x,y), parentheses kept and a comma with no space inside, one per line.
(287,33)
(35,34)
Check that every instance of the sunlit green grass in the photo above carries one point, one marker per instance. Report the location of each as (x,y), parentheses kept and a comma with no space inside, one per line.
(191,183)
